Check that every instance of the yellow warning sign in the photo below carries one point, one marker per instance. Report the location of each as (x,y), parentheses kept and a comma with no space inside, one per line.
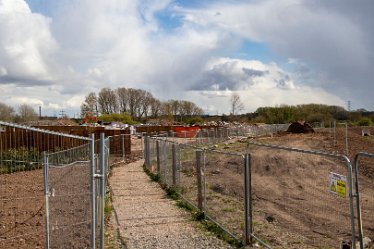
(341,188)
(337,184)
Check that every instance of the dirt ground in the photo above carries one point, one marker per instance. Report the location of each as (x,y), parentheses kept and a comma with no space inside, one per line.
(22,215)
(292,205)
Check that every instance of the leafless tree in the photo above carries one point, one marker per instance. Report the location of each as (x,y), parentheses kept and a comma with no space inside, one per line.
(167,109)
(26,113)
(145,103)
(197,111)
(156,108)
(175,107)
(137,103)
(6,112)
(123,99)
(89,107)
(236,104)
(134,98)
(107,101)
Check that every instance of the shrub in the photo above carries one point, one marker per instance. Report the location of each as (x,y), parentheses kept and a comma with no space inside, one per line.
(364,122)
(116,117)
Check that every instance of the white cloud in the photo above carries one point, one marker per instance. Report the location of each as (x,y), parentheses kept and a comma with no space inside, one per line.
(90,44)
(335,37)
(26,45)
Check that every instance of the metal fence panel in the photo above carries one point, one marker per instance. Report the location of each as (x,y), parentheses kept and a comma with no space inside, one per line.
(187,174)
(293,206)
(69,198)
(22,179)
(364,176)
(21,190)
(223,180)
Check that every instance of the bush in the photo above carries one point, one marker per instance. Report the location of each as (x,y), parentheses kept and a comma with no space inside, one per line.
(194,120)
(116,117)
(364,122)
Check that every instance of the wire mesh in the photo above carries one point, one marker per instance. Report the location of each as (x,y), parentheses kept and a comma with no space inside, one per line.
(293,204)
(166,164)
(22,199)
(69,198)
(187,173)
(365,164)
(224,190)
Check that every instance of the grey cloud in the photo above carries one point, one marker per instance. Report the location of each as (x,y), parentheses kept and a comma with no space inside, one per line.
(228,75)
(254,73)
(24,81)
(336,38)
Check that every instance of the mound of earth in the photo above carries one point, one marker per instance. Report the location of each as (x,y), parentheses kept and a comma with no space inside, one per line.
(300,127)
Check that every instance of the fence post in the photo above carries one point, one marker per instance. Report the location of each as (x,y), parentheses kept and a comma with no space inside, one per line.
(334,133)
(123,146)
(248,199)
(144,143)
(358,203)
(46,193)
(346,138)
(174,164)
(204,179)
(102,187)
(350,182)
(198,174)
(93,194)
(147,151)
(158,156)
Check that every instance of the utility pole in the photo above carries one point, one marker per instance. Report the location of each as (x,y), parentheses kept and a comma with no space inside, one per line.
(62,113)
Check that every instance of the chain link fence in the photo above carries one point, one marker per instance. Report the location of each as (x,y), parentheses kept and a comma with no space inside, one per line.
(69,198)
(278,196)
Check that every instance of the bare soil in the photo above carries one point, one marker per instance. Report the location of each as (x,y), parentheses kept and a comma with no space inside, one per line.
(22,215)
(291,201)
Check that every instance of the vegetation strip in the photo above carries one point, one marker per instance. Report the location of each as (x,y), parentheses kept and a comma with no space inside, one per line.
(207,224)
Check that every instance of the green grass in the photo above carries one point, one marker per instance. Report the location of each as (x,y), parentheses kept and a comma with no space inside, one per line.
(108,205)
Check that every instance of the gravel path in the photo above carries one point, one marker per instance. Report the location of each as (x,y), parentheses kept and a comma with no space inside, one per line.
(148,219)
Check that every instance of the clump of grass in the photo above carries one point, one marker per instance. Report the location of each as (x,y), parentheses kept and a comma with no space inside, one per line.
(185,205)
(154,177)
(108,205)
(220,233)
(172,192)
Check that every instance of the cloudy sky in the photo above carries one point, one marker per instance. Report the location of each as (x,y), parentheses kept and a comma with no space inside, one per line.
(270,52)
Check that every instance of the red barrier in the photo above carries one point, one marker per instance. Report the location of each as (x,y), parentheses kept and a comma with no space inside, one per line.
(187,132)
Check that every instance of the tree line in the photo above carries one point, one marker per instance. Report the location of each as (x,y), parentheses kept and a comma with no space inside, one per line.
(137,103)
(24,113)
(311,113)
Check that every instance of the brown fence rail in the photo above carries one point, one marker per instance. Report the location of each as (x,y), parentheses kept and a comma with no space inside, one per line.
(27,139)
